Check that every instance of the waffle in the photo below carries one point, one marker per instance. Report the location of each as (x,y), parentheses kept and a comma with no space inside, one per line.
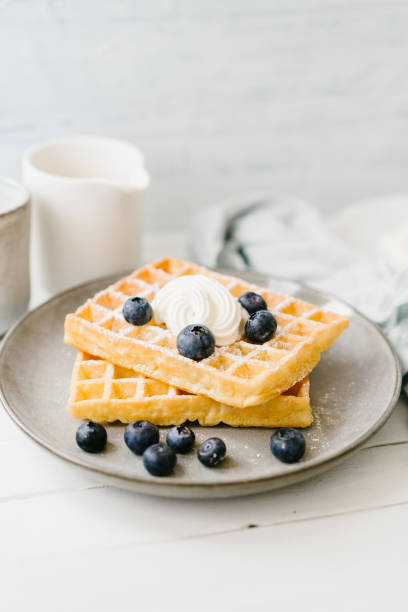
(102,392)
(241,374)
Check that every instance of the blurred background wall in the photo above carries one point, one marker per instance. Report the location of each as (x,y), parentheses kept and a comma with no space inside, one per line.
(302,96)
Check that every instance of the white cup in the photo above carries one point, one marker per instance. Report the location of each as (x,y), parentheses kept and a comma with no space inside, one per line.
(86,209)
(14,252)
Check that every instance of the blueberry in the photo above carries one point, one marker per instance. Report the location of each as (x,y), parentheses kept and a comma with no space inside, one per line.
(260,326)
(252,302)
(195,342)
(212,452)
(288,445)
(140,435)
(137,311)
(91,437)
(181,439)
(159,459)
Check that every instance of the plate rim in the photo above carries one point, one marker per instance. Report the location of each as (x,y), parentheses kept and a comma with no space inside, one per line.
(297,473)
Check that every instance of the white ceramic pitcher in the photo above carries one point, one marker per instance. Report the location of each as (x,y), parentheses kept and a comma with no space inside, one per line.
(86,209)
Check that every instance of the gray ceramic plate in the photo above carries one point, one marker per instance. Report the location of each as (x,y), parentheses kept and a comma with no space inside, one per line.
(353,391)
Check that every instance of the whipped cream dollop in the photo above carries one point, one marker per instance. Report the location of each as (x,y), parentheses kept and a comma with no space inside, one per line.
(198,299)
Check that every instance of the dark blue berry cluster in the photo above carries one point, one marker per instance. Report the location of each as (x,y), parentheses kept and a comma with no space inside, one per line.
(143,438)
(261,325)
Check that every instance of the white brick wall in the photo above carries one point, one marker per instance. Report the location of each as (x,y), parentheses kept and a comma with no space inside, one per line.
(306,96)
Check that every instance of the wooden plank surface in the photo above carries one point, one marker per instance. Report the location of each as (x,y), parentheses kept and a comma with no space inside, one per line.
(41,488)
(344,562)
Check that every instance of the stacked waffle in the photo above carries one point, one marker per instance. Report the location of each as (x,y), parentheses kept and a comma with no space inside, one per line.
(126,372)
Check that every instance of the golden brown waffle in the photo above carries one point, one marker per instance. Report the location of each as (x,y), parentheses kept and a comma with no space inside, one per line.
(241,374)
(101,391)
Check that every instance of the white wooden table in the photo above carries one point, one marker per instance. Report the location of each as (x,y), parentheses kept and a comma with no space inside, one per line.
(336,542)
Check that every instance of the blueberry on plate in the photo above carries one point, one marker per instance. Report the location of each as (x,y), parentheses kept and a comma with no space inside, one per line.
(159,459)
(91,437)
(195,342)
(181,439)
(252,302)
(260,326)
(137,311)
(140,435)
(212,452)
(288,444)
